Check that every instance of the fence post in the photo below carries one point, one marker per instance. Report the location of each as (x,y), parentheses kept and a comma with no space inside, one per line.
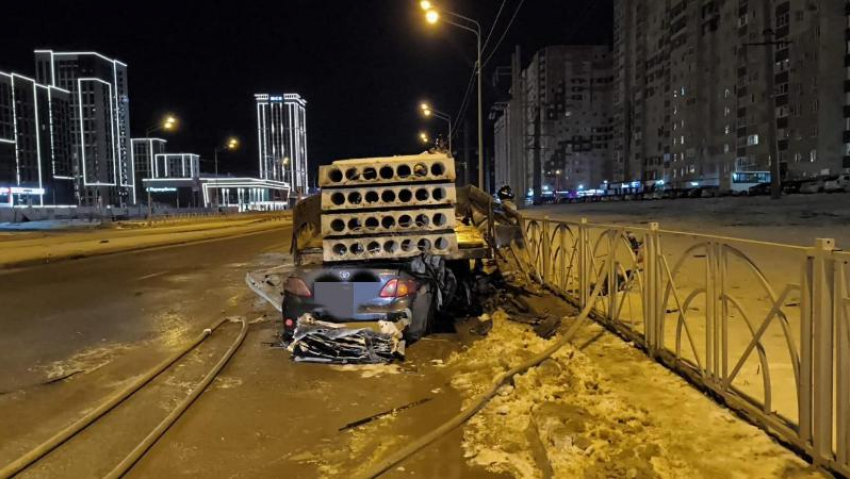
(613,274)
(563,262)
(817,349)
(651,290)
(545,260)
(583,273)
(842,397)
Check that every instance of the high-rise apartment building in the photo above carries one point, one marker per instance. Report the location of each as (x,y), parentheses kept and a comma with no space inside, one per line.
(100,123)
(558,122)
(35,145)
(692,103)
(282,139)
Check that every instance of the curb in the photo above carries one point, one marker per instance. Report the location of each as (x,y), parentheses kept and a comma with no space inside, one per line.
(105,252)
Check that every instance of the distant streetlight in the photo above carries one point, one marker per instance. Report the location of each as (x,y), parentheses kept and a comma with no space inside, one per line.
(231,145)
(167,123)
(428,111)
(424,137)
(432,16)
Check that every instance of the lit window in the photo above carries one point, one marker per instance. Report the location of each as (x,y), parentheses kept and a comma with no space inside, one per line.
(752,140)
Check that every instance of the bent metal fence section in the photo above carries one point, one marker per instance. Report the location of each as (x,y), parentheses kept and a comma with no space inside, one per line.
(764,326)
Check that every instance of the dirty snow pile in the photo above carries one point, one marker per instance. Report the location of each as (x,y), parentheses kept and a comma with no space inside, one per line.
(558,420)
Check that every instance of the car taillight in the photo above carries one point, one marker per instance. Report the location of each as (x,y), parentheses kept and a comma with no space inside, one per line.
(298,287)
(398,288)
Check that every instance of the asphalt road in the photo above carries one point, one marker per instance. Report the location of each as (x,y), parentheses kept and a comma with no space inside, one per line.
(53,312)
(101,322)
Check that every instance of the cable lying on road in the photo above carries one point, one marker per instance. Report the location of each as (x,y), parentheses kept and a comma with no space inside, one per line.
(393,460)
(107,405)
(163,426)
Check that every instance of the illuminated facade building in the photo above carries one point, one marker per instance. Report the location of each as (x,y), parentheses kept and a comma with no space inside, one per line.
(176,165)
(143,157)
(282,139)
(100,123)
(35,145)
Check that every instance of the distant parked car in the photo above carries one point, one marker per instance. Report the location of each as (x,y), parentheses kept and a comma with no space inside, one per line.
(709,192)
(792,187)
(760,189)
(547,198)
(654,195)
(839,184)
(812,187)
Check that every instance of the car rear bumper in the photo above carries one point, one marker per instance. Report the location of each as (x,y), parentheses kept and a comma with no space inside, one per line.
(294,308)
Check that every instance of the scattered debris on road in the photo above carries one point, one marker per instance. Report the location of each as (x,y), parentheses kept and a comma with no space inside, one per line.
(367,420)
(318,341)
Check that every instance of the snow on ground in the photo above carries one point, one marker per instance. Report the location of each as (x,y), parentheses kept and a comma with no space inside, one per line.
(48,225)
(581,414)
(795,219)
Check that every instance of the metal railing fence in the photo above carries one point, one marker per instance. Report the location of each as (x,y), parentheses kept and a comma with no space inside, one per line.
(763,326)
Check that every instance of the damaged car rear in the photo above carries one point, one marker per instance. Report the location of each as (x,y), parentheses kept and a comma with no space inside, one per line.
(385,251)
(358,295)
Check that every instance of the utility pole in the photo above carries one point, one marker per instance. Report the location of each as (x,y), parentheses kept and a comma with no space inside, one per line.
(770,80)
(466,150)
(538,166)
(769,60)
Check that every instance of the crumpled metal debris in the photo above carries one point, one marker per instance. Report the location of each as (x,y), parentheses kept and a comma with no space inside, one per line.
(318,341)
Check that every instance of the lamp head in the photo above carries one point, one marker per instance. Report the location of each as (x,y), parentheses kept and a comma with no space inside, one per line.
(169,123)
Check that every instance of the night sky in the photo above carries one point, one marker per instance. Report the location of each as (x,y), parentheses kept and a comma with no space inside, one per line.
(363,66)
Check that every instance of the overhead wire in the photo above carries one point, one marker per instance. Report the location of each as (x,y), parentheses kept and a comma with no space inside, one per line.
(505,33)
(461,114)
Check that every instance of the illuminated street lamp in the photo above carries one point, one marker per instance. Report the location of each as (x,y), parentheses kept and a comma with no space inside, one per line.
(231,145)
(432,16)
(167,123)
(429,112)
(424,137)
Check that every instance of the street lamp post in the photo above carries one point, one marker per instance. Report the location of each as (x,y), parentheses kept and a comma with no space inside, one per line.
(169,123)
(433,16)
(428,111)
(231,145)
